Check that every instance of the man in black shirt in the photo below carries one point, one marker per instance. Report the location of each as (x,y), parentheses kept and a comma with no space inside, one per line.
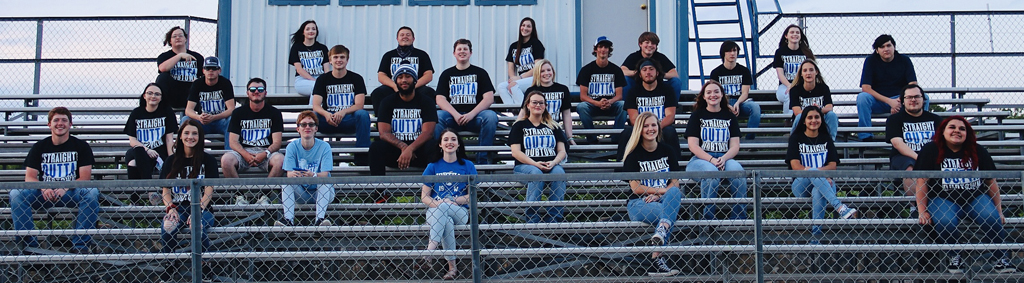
(601,85)
(648,42)
(736,81)
(655,96)
(406,125)
(214,96)
(255,135)
(58,158)
(908,131)
(405,53)
(465,94)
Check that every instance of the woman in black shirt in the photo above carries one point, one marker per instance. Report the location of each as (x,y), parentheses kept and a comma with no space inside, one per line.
(178,67)
(810,149)
(520,61)
(793,49)
(150,129)
(538,146)
(943,202)
(308,56)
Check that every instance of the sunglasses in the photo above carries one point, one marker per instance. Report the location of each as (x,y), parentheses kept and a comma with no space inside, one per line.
(306,125)
(257,89)
(211,68)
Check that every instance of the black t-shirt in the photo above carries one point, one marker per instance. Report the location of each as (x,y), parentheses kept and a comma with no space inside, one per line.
(660,160)
(915,131)
(183,71)
(655,101)
(213,99)
(635,57)
(732,80)
(538,142)
(812,152)
(601,82)
(888,78)
(713,128)
(311,57)
(417,58)
(789,60)
(820,95)
(532,50)
(254,129)
(338,94)
(407,117)
(959,190)
(207,171)
(464,89)
(59,163)
(558,99)
(151,127)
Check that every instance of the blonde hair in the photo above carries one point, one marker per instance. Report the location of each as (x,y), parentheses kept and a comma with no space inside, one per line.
(638,129)
(545,117)
(536,71)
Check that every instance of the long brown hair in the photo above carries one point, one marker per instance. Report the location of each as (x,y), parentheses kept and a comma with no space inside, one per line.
(702,104)
(799,79)
(969,148)
(178,163)
(545,117)
(519,41)
(803,46)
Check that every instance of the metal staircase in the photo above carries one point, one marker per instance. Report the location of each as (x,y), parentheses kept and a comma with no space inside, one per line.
(701,12)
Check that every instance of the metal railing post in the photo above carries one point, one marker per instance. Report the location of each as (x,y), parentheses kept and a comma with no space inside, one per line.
(196,214)
(38,64)
(952,51)
(474,229)
(758,231)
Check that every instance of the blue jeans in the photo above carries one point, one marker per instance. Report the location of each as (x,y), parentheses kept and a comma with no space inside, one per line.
(23,201)
(442,220)
(292,194)
(168,237)
(356,122)
(675,83)
(485,123)
(946,215)
(830,119)
(587,111)
(214,127)
(535,189)
(867,105)
(753,111)
(664,210)
(709,186)
(822,191)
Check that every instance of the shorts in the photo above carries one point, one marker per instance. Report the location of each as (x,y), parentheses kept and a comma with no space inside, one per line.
(243,166)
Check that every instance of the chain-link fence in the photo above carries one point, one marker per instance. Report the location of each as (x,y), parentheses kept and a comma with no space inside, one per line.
(379,229)
(949,49)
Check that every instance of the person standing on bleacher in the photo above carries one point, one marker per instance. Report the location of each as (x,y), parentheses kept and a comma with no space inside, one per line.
(339,96)
(387,72)
(464,96)
(214,97)
(601,83)
(648,42)
(655,96)
(908,131)
(406,125)
(885,74)
(57,158)
(736,81)
(150,129)
(178,67)
(255,135)
(307,157)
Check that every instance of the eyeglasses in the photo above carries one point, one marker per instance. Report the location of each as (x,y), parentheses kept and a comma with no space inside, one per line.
(912,97)
(257,89)
(153,93)
(306,125)
(538,102)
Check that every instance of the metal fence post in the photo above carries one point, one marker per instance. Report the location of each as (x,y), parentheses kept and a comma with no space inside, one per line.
(196,212)
(188,30)
(474,229)
(952,52)
(758,231)
(38,64)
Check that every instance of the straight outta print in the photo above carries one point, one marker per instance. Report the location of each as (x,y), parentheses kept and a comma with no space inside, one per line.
(539,142)
(59,166)
(715,135)
(255,132)
(406,123)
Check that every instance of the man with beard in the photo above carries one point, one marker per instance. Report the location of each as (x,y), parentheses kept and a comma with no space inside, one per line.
(885,74)
(405,53)
(406,125)
(648,43)
(653,96)
(255,135)
(908,131)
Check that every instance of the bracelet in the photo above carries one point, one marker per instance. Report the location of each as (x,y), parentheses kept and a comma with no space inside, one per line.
(170,207)
(268,152)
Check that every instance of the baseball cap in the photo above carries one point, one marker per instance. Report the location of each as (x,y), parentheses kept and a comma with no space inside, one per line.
(211,62)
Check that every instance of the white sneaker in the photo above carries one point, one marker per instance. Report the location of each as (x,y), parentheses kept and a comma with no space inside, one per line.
(263,200)
(240,200)
(660,234)
(323,222)
(846,212)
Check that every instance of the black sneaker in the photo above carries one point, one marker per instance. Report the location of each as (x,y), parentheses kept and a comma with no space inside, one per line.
(661,268)
(283,222)
(955,265)
(1003,266)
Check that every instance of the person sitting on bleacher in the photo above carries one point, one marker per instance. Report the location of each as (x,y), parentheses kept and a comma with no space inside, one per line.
(809,149)
(908,131)
(305,157)
(338,96)
(406,125)
(57,158)
(556,94)
(464,96)
(944,202)
(214,96)
(538,146)
(601,83)
(387,72)
(809,89)
(654,201)
(736,81)
(648,43)
(885,74)
(446,202)
(178,68)
(307,56)
(255,135)
(793,49)
(150,129)
(189,161)
(655,96)
(713,136)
